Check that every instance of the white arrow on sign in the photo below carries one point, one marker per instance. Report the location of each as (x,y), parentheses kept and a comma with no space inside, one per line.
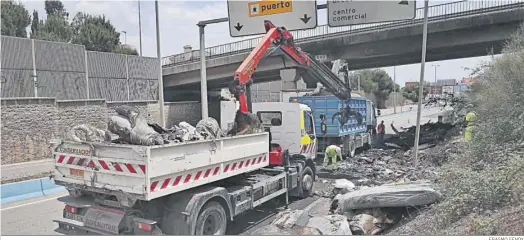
(247,17)
(344,13)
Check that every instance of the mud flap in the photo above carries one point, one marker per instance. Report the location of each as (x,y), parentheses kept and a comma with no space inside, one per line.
(103,219)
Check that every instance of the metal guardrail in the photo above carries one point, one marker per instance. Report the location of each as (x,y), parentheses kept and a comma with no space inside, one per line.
(435,13)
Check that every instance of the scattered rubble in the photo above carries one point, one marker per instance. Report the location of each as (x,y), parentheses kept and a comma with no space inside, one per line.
(299,222)
(364,224)
(364,211)
(331,225)
(288,219)
(343,186)
(379,166)
(380,187)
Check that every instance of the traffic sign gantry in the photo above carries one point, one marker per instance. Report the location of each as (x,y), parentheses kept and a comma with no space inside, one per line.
(247,17)
(344,12)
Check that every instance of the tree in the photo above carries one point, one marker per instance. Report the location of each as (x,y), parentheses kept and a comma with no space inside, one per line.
(15,19)
(35,24)
(95,32)
(55,29)
(56,8)
(376,82)
(125,49)
(411,92)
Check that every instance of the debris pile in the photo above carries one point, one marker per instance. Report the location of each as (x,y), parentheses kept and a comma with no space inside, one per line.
(364,211)
(379,166)
(131,127)
(299,222)
(394,164)
(381,187)
(430,134)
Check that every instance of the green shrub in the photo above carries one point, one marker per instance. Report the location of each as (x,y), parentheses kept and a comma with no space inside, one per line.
(486,174)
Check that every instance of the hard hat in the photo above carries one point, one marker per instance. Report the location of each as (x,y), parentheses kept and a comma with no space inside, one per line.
(265,100)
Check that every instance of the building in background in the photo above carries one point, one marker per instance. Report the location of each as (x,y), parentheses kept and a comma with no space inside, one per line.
(448,89)
(434,91)
(469,80)
(444,82)
(409,84)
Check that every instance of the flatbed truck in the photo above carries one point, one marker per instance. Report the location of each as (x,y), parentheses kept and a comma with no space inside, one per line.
(197,187)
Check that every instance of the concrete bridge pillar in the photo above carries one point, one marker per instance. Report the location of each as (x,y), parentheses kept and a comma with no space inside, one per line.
(291,79)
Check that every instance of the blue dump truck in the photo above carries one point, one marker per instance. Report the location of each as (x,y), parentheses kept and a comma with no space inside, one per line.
(354,134)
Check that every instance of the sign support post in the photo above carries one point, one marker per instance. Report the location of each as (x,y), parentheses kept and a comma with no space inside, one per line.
(203,78)
(421,84)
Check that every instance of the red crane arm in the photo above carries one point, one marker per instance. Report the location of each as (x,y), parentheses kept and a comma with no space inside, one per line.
(274,35)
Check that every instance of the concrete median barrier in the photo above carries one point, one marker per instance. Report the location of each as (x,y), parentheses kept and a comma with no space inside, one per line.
(18,191)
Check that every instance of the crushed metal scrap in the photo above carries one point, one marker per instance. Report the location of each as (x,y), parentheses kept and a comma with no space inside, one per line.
(131,127)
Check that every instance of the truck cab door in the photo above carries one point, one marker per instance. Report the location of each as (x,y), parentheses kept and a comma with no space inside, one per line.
(308,140)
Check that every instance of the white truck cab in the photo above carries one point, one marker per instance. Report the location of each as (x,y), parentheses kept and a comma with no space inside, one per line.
(291,124)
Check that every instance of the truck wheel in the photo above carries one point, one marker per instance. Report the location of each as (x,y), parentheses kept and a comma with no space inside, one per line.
(212,220)
(307,182)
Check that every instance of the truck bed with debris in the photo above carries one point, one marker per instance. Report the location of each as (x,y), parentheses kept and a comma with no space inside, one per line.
(333,124)
(149,172)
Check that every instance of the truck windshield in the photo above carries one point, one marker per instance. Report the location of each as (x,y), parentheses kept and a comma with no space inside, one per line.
(270,118)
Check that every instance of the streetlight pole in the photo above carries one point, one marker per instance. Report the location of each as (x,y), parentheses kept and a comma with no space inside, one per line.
(421,86)
(139,28)
(394,89)
(358,83)
(435,66)
(160,81)
(125,37)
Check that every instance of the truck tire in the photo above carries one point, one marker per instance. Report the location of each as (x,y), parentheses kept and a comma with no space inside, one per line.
(307,179)
(212,220)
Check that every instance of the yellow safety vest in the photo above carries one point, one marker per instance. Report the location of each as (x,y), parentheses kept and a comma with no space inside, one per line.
(471,118)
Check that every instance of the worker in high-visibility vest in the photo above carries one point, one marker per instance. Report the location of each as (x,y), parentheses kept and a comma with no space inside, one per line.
(331,154)
(471,118)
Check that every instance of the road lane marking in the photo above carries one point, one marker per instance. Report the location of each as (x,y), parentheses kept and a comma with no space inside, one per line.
(35,202)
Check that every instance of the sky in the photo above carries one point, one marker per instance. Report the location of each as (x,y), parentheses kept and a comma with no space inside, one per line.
(178,28)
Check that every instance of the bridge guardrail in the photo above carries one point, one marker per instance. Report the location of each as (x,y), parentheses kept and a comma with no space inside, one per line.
(435,13)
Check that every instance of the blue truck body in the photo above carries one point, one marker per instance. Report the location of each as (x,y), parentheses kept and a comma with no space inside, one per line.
(335,133)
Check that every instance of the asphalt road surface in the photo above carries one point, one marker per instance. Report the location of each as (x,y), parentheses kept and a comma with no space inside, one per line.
(35,216)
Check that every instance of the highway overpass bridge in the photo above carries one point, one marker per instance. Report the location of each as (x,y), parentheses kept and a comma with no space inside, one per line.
(455,30)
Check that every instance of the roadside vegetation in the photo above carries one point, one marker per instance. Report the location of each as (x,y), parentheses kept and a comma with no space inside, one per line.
(95,32)
(483,185)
